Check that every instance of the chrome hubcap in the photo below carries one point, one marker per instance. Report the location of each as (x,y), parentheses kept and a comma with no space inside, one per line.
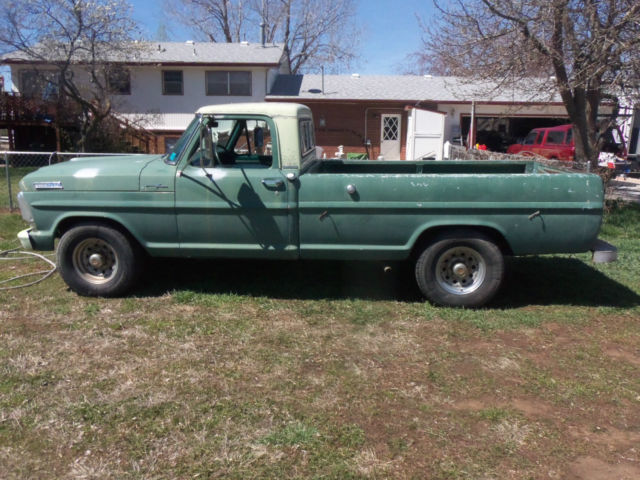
(460,270)
(95,261)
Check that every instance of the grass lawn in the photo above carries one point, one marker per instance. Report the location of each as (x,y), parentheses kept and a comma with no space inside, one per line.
(325,370)
(15,174)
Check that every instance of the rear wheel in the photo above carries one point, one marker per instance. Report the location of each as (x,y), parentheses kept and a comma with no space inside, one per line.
(460,268)
(98,261)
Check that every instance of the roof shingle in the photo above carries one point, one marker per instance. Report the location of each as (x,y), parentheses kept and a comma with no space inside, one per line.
(184,53)
(412,88)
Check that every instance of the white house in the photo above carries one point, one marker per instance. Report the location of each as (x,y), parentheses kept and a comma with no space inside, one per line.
(167,82)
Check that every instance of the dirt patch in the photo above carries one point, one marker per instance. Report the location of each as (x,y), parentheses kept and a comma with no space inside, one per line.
(609,436)
(473,404)
(526,406)
(589,468)
(532,408)
(619,354)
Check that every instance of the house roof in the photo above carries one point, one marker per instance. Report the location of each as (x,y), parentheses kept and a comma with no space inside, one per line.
(177,53)
(410,88)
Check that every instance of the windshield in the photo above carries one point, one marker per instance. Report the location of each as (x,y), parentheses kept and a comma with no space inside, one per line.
(173,155)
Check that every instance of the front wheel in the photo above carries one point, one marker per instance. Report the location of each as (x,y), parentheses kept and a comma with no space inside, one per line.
(460,269)
(98,261)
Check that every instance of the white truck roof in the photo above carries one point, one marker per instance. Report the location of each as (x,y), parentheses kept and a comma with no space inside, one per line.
(280,109)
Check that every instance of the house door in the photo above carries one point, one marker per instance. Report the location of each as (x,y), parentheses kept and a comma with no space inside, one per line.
(390,136)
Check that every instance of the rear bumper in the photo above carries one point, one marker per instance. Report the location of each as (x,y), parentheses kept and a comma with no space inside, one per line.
(604,252)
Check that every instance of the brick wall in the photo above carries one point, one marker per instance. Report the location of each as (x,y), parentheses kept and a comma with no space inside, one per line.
(344,124)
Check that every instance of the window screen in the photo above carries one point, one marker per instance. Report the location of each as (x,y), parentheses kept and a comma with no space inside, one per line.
(42,84)
(228,83)
(172,82)
(119,81)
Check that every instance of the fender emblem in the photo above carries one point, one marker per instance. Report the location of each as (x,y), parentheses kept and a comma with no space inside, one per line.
(48,185)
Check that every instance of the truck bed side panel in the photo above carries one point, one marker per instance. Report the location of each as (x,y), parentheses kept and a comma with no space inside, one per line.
(535,212)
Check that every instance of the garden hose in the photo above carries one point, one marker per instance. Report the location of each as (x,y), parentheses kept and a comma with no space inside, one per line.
(7,255)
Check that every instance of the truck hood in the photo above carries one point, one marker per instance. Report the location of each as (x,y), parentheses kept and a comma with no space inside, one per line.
(117,173)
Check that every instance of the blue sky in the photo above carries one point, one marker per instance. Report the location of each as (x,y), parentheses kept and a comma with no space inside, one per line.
(390,30)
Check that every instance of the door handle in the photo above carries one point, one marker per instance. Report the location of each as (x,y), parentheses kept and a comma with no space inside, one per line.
(273,182)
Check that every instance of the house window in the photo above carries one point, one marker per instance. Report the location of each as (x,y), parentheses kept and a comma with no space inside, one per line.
(119,81)
(228,83)
(43,84)
(172,82)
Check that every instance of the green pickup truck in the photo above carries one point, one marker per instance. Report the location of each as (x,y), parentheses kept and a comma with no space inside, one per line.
(244,181)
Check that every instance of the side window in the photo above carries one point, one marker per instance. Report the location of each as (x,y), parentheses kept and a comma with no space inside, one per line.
(569,136)
(307,138)
(232,142)
(555,137)
(253,144)
(530,139)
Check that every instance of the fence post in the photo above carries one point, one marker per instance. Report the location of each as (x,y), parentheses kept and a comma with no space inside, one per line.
(6,168)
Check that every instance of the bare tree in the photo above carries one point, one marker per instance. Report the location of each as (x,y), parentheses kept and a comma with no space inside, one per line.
(215,20)
(84,41)
(315,32)
(587,50)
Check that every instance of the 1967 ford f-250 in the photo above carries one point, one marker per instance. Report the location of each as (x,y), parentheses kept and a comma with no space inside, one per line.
(244,181)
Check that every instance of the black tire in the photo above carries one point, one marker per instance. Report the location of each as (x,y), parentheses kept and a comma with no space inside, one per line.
(96,260)
(460,268)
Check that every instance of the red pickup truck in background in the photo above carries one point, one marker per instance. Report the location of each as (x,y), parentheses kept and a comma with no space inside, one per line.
(557,143)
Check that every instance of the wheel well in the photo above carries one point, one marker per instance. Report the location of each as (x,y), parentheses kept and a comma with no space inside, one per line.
(68,223)
(428,235)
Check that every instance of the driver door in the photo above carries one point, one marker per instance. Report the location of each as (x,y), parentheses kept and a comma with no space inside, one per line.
(232,200)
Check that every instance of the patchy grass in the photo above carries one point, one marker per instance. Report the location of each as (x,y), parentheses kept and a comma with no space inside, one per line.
(232,369)
(15,174)
(10,225)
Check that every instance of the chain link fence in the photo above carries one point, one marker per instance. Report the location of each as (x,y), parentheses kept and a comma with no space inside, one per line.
(15,165)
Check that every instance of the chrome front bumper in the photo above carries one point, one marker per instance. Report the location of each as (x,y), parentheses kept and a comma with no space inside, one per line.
(25,241)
